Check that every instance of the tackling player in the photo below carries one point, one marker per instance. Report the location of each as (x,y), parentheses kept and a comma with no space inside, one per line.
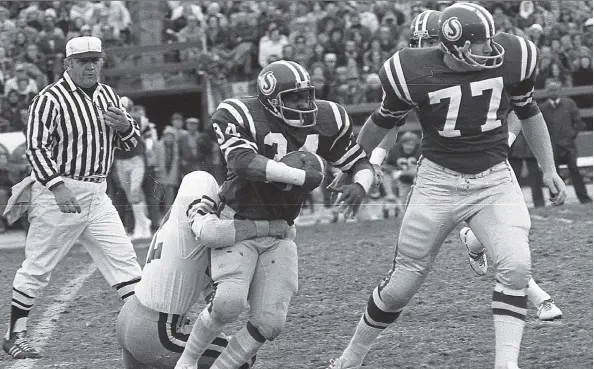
(462,93)
(150,327)
(254,133)
(424,33)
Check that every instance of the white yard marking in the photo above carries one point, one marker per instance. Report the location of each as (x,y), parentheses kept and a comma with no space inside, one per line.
(47,323)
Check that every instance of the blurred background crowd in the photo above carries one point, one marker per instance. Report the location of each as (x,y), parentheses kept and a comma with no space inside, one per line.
(343,44)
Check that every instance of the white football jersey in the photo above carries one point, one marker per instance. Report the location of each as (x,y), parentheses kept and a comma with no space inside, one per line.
(177,263)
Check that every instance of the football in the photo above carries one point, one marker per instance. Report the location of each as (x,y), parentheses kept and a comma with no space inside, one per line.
(298,159)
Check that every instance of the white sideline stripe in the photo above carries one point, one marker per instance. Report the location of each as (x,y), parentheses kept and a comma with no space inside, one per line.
(46,325)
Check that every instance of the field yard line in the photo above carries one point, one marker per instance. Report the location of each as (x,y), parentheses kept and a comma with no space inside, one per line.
(48,321)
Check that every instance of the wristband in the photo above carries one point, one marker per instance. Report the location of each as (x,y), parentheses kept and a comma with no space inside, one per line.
(281,172)
(510,140)
(365,178)
(262,228)
(378,155)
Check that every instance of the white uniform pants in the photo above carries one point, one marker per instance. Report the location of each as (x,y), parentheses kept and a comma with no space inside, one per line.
(52,234)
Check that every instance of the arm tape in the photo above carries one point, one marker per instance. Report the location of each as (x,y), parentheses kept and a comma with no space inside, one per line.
(281,172)
(365,178)
(378,155)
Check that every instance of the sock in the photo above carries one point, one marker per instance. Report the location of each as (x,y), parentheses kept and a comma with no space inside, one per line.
(126,289)
(536,295)
(241,348)
(21,305)
(204,331)
(509,315)
(373,322)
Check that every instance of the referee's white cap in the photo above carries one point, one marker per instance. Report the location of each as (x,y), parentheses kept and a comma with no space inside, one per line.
(84,47)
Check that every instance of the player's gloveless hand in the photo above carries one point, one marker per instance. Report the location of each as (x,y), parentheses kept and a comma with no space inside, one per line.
(313,178)
(116,119)
(350,198)
(556,186)
(66,199)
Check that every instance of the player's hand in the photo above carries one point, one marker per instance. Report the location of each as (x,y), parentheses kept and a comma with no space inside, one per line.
(313,178)
(378,176)
(340,179)
(65,199)
(556,186)
(350,198)
(116,119)
(278,228)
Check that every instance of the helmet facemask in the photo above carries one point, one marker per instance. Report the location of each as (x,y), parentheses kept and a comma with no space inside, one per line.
(296,117)
(465,55)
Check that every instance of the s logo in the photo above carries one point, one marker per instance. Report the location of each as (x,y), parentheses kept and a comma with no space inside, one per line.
(267,83)
(452,29)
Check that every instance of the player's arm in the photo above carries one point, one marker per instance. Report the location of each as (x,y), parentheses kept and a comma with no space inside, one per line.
(535,129)
(214,232)
(236,138)
(514,126)
(348,156)
(390,115)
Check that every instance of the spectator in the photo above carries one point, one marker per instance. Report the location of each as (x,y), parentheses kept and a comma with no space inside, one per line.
(167,152)
(368,18)
(192,33)
(330,74)
(535,34)
(23,90)
(19,46)
(288,52)
(20,71)
(520,157)
(5,185)
(242,40)
(319,81)
(271,44)
(373,88)
(82,9)
(318,55)
(11,110)
(563,120)
(303,52)
(181,10)
(356,27)
(75,28)
(119,18)
(177,124)
(215,35)
(196,149)
(336,43)
(352,90)
(349,53)
(386,40)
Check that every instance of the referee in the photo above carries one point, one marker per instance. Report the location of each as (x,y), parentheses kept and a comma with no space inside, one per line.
(74,127)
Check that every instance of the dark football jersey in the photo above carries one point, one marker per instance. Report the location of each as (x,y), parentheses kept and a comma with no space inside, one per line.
(462,114)
(244,125)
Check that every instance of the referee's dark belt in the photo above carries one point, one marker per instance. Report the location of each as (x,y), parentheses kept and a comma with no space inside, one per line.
(93,179)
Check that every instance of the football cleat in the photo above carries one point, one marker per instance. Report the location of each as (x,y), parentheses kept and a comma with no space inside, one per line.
(19,347)
(547,310)
(478,262)
(340,363)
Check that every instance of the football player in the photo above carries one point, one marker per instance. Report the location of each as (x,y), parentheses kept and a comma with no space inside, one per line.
(424,33)
(151,327)
(254,133)
(462,93)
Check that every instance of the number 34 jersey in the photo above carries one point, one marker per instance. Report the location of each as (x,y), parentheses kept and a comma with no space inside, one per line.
(243,126)
(462,114)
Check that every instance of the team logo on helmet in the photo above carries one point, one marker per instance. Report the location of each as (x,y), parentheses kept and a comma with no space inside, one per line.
(452,29)
(267,83)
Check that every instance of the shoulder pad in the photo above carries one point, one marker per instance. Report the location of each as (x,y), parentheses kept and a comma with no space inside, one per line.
(236,111)
(521,55)
(332,116)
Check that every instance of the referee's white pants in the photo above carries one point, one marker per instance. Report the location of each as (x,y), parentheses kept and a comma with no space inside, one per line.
(52,234)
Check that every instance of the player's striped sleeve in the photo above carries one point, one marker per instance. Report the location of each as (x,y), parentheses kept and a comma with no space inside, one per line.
(234,127)
(344,151)
(522,94)
(397,101)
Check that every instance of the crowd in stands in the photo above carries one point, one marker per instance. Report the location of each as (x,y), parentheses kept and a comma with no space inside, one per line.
(33,36)
(342,43)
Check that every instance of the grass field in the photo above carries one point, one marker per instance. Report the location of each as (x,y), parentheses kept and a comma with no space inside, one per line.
(447,325)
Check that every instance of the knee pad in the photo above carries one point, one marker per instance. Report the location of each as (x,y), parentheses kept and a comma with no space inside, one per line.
(514,274)
(399,286)
(271,327)
(230,300)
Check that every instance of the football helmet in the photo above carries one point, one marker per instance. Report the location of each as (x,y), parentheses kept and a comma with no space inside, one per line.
(281,78)
(424,27)
(463,23)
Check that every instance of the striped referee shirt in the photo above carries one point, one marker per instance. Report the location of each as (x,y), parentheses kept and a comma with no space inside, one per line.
(67,136)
